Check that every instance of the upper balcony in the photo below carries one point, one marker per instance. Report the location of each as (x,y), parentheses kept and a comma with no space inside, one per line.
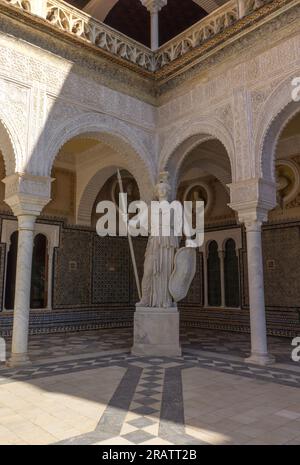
(218,26)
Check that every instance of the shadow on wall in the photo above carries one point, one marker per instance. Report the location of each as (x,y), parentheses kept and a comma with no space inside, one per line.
(54,105)
(63,107)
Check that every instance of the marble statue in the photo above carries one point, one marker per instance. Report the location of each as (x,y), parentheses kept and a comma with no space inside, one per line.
(166,277)
(159,261)
(168,273)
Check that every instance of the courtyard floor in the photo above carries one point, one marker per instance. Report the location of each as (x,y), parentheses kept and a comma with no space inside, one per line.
(86,388)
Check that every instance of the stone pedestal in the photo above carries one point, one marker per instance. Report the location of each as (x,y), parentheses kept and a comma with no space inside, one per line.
(156,332)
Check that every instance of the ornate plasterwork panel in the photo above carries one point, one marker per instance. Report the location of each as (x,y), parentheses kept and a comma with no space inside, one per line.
(7,149)
(43,97)
(62,78)
(242,135)
(65,122)
(277,111)
(14,107)
(245,98)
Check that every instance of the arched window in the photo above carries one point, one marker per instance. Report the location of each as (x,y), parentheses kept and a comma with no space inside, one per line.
(11,269)
(231,272)
(213,275)
(39,275)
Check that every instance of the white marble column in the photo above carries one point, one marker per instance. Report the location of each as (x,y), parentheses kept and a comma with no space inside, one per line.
(252,199)
(205,279)
(19,355)
(222,277)
(154,7)
(154,30)
(26,195)
(259,348)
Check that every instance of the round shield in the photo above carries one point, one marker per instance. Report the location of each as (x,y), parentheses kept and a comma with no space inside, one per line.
(184,271)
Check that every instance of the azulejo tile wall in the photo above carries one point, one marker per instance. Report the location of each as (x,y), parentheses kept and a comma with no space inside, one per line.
(94,286)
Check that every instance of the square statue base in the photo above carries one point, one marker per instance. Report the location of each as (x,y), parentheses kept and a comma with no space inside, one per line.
(156,332)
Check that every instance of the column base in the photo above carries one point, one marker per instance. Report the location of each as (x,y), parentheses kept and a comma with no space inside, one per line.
(18,360)
(156,332)
(260,359)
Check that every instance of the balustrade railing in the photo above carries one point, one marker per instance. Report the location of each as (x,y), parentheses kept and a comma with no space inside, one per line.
(73,21)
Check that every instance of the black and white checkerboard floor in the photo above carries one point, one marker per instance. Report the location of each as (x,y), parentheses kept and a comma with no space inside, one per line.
(112,397)
(220,342)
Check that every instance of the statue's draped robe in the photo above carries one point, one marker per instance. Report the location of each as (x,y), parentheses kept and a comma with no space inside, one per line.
(158,267)
(161,252)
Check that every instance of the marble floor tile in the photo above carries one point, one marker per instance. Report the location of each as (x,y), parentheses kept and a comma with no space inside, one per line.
(93,394)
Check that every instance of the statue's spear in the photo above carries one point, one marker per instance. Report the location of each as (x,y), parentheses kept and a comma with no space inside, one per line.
(124,209)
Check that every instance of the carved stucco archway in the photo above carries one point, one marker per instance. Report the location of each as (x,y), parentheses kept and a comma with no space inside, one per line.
(125,140)
(96,182)
(181,142)
(10,146)
(276,113)
(212,167)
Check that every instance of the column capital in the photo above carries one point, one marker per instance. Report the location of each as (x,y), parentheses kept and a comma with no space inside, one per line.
(252,199)
(154,6)
(253,218)
(27,194)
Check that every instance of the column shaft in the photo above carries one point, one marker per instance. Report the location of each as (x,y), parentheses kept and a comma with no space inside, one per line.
(205,290)
(154,30)
(19,354)
(259,349)
(222,277)
(154,7)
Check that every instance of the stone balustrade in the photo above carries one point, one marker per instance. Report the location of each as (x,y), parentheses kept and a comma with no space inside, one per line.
(73,21)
